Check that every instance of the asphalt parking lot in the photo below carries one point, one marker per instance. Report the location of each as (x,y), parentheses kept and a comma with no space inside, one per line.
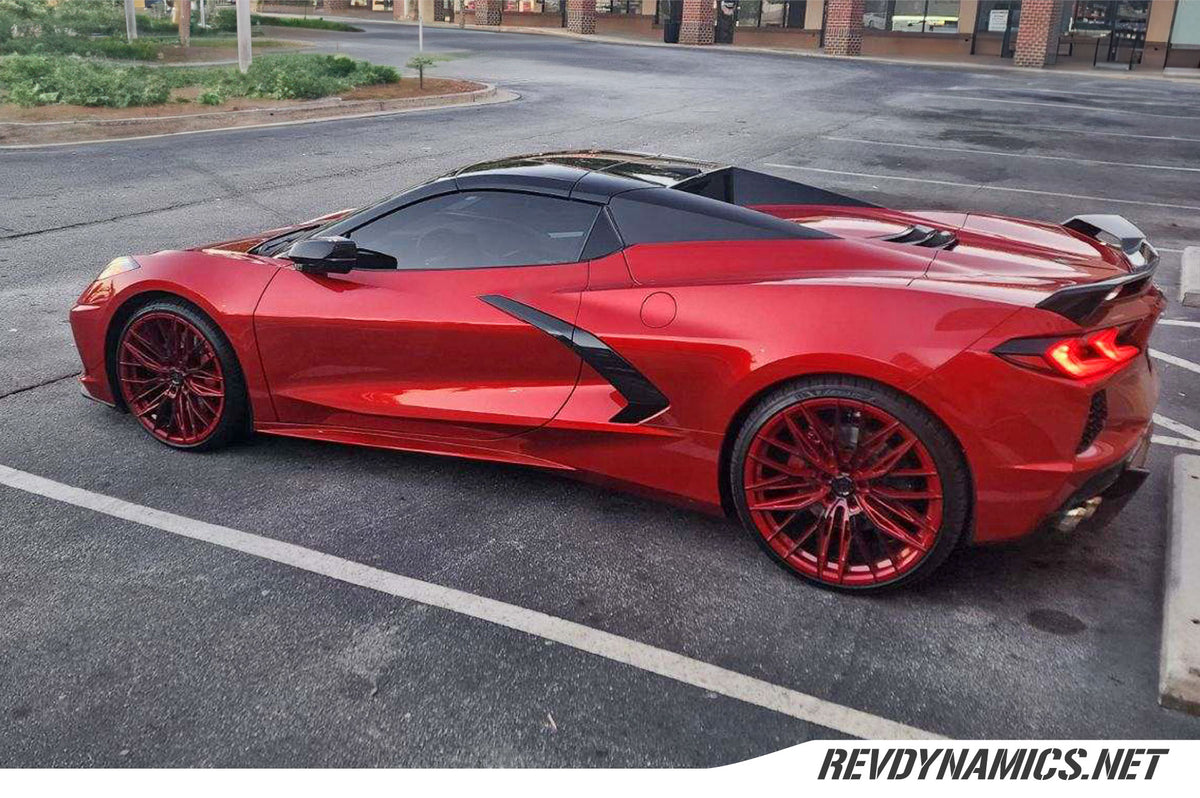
(121,644)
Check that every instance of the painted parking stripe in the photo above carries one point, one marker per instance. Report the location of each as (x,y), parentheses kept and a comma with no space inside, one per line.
(584,638)
(1175,361)
(1179,443)
(1177,427)
(1178,322)
(998,153)
(978,186)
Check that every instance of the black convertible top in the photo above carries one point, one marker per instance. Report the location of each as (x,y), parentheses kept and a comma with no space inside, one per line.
(600,175)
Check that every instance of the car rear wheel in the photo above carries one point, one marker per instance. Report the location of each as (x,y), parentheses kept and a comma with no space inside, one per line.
(849,484)
(179,377)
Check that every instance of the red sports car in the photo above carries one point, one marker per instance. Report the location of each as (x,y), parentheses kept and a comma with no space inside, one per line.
(864,388)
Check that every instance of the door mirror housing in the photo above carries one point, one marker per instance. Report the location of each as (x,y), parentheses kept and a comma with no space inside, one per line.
(323,255)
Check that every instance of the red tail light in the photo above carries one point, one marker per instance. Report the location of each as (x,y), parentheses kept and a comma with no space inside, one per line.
(1078,357)
(1092,354)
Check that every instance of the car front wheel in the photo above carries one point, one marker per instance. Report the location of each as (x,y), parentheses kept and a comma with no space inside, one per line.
(179,377)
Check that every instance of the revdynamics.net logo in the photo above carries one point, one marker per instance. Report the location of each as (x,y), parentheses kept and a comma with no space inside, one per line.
(990,764)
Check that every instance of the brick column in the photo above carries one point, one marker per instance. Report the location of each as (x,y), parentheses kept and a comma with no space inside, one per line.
(581,16)
(699,17)
(1037,33)
(336,6)
(844,27)
(487,12)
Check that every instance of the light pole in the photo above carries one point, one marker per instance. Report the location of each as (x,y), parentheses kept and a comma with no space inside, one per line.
(420,26)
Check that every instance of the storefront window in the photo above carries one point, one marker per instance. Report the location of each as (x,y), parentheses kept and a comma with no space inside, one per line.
(527,6)
(1186,30)
(618,6)
(911,16)
(1102,17)
(771,13)
(994,16)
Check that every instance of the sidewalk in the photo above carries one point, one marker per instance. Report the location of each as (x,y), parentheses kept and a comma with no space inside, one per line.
(933,63)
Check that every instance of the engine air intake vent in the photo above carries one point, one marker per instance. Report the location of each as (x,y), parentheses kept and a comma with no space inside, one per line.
(1096,419)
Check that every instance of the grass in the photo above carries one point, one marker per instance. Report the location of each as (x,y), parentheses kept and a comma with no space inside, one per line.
(31,80)
(319,23)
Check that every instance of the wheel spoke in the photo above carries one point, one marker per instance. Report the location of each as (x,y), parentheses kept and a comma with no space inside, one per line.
(797,503)
(889,526)
(884,464)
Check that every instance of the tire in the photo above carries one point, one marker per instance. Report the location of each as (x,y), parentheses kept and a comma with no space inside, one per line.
(179,377)
(876,501)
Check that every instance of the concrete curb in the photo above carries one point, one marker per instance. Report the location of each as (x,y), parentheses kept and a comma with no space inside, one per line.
(360,109)
(1179,663)
(1189,278)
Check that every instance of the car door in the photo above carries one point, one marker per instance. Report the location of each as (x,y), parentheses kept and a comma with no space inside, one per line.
(414,342)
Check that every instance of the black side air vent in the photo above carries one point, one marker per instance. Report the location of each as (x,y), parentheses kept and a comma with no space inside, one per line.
(1096,419)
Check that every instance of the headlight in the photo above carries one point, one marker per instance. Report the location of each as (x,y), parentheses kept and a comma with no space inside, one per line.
(117,266)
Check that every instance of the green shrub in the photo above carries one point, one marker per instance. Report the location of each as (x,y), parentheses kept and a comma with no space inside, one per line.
(318,23)
(44,80)
(41,80)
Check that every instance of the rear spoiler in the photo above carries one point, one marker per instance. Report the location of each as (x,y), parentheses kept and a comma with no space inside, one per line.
(1077,302)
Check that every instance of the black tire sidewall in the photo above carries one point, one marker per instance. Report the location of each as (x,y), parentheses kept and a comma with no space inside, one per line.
(943,448)
(235,414)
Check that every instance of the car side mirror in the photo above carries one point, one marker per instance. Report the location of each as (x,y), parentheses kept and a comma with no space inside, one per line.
(323,255)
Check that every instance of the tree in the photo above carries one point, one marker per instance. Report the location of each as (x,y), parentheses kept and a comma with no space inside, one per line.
(420,62)
(184,7)
(130,21)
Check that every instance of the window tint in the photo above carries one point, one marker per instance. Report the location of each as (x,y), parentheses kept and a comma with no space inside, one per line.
(653,215)
(478,228)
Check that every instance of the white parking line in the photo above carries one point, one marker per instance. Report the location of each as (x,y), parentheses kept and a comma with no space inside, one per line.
(1178,322)
(1177,427)
(1061,106)
(1179,443)
(998,153)
(584,638)
(983,186)
(1175,361)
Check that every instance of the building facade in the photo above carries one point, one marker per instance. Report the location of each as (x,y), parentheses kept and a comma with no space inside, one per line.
(1104,34)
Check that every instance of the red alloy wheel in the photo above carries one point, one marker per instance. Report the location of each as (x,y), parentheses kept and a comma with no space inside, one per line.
(171,378)
(843,492)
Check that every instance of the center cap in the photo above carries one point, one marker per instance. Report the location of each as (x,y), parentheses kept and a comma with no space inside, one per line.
(842,485)
(176,377)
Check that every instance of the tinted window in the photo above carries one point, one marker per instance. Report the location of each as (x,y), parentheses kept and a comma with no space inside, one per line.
(665,214)
(480,228)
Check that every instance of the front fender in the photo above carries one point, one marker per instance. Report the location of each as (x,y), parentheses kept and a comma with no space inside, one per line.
(226,286)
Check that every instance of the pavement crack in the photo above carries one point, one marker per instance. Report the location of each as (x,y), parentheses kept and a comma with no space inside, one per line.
(90,222)
(37,385)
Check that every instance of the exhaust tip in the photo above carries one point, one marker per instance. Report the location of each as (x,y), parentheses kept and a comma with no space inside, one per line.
(1071,519)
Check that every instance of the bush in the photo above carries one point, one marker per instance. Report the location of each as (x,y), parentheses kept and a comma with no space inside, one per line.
(42,80)
(46,80)
(318,23)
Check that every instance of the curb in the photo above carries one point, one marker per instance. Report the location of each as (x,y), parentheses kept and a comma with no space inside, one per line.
(1179,662)
(488,95)
(1189,278)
